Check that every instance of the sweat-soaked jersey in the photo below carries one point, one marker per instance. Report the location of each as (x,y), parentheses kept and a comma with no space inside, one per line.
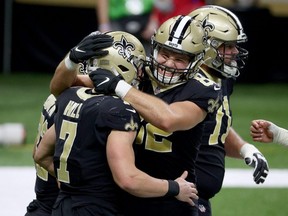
(210,166)
(83,122)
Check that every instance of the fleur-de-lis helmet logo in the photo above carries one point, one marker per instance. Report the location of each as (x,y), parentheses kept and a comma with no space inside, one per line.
(124,47)
(207,26)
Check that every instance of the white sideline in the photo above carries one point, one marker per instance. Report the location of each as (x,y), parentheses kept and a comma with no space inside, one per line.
(17,185)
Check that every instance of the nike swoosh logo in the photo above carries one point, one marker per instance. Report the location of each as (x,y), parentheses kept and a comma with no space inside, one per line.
(131,110)
(79,50)
(107,79)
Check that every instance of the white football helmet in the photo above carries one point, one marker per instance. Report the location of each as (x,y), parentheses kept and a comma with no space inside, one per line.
(126,57)
(180,34)
(222,27)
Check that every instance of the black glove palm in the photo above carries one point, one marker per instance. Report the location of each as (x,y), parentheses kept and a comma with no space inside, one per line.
(104,81)
(92,45)
(261,168)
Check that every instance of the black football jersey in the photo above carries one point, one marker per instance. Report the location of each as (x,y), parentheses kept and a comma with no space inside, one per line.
(83,122)
(46,187)
(210,165)
(166,155)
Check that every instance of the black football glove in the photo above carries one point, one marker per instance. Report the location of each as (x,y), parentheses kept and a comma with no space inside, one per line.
(261,168)
(104,81)
(92,45)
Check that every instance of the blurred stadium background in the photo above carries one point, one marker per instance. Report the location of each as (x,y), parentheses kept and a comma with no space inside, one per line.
(39,33)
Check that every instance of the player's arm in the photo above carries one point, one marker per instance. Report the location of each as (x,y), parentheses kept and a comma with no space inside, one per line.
(265,131)
(44,153)
(236,147)
(259,131)
(182,115)
(121,160)
(233,144)
(64,78)
(66,72)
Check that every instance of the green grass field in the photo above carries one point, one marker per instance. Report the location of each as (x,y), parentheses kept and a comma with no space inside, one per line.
(22,96)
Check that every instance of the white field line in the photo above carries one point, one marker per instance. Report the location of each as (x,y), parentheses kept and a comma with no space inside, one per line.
(17,185)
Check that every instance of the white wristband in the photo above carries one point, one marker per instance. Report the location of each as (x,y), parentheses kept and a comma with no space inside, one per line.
(247,150)
(280,135)
(122,88)
(69,64)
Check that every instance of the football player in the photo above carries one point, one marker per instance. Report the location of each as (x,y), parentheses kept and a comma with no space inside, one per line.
(94,134)
(180,101)
(46,187)
(223,60)
(266,132)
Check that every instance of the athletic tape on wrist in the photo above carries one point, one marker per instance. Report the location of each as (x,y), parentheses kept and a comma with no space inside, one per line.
(280,135)
(122,88)
(247,150)
(173,188)
(69,64)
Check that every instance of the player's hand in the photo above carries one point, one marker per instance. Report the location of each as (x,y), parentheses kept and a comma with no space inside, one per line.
(188,192)
(91,46)
(254,158)
(104,81)
(260,132)
(261,168)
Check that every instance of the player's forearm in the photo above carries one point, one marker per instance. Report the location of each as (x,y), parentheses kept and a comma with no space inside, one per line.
(45,162)
(151,108)
(83,80)
(146,186)
(233,144)
(280,135)
(63,78)
(48,164)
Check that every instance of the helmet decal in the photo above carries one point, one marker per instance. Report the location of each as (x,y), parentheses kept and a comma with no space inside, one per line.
(125,47)
(126,57)
(179,29)
(206,25)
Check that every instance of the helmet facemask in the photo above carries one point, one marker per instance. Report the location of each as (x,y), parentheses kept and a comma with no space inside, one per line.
(138,64)
(172,75)
(179,35)
(227,64)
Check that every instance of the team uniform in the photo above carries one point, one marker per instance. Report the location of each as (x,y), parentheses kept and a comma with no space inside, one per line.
(166,155)
(223,59)
(210,165)
(46,187)
(83,122)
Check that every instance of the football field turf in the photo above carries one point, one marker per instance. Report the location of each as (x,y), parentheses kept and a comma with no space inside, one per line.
(243,196)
